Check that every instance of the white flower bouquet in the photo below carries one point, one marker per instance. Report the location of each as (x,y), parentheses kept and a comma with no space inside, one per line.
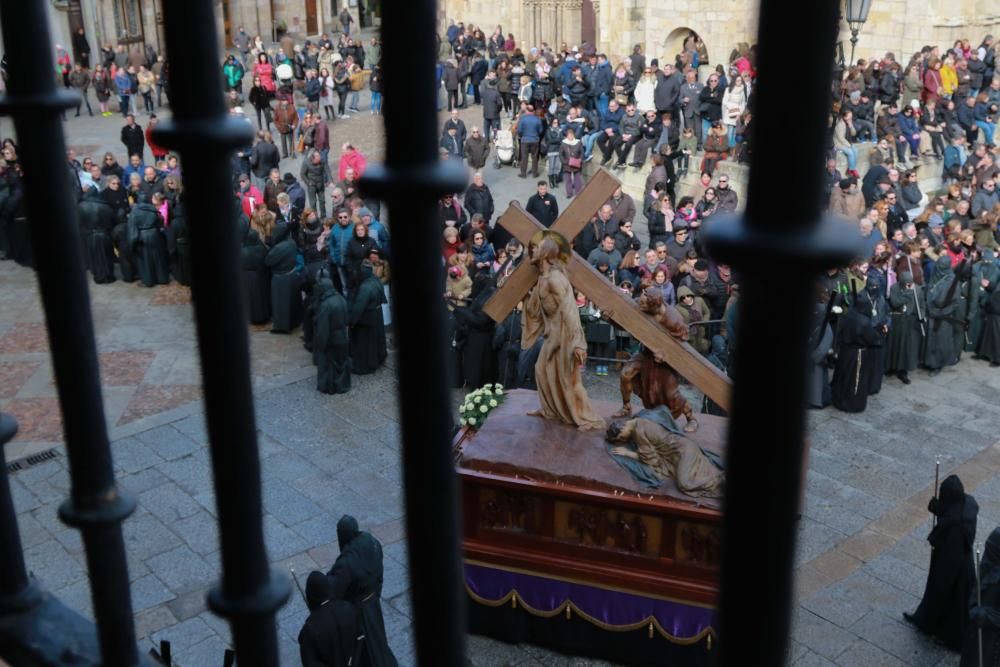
(477,405)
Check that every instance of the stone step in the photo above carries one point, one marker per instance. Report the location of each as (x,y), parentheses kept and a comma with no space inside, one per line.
(634,179)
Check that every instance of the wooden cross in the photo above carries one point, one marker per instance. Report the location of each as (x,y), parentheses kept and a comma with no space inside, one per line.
(608,298)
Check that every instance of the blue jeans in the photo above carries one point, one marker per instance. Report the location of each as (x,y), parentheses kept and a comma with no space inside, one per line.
(987,129)
(353,103)
(376,102)
(123,105)
(852,156)
(602,104)
(731,133)
(588,143)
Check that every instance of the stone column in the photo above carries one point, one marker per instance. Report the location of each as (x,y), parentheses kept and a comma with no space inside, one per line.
(572,21)
(597,23)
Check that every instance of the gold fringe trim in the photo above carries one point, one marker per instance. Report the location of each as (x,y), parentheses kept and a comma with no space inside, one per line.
(567,605)
(568,580)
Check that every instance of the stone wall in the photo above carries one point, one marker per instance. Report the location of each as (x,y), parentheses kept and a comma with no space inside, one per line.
(900,26)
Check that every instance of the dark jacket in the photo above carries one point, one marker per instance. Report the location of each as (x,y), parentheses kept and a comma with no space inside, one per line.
(263,158)
(134,139)
(667,92)
(711,102)
(479,200)
(545,209)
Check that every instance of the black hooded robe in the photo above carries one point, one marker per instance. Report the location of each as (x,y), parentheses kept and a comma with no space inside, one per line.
(989,270)
(476,329)
(97,219)
(941,315)
(256,279)
(328,637)
(149,248)
(943,610)
(368,346)
(905,337)
(356,576)
(507,345)
(331,350)
(988,345)
(852,375)
(874,300)
(986,613)
(179,244)
(819,376)
(286,283)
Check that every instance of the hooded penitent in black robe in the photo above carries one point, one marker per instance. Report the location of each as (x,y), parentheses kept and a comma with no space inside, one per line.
(368,347)
(856,336)
(329,635)
(985,613)
(256,278)
(97,219)
(179,243)
(286,284)
(986,269)
(942,318)
(873,299)
(331,350)
(356,576)
(507,345)
(14,218)
(907,307)
(988,345)
(475,329)
(149,248)
(943,611)
(821,339)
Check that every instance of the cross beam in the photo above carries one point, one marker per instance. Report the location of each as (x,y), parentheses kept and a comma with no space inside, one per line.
(584,277)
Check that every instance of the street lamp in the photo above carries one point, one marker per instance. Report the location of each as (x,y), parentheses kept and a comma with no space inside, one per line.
(856,15)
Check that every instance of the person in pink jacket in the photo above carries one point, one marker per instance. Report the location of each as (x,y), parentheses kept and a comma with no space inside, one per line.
(350,158)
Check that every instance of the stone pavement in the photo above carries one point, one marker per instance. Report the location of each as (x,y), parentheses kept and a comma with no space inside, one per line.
(862,555)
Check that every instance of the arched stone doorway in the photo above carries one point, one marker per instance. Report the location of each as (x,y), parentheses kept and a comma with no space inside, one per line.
(674,44)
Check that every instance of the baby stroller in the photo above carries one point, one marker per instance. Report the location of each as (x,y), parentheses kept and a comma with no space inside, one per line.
(503,143)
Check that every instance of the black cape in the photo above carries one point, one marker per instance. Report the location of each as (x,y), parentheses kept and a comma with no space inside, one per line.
(368,346)
(329,636)
(821,339)
(179,244)
(356,576)
(852,375)
(331,350)
(286,283)
(476,329)
(97,220)
(942,313)
(907,306)
(989,338)
(985,614)
(256,279)
(507,345)
(149,248)
(943,610)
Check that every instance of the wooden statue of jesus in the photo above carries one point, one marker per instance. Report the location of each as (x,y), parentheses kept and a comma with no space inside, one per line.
(561,394)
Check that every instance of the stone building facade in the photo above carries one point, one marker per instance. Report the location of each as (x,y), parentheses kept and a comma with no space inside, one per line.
(137,22)
(615,26)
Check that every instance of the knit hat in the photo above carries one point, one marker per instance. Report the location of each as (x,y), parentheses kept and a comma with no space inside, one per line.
(855,95)
(363,211)
(846,183)
(654,62)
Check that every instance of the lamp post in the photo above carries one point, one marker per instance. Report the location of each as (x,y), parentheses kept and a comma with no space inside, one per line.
(856,14)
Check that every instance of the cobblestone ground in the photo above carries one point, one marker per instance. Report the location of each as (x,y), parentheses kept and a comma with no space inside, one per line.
(862,556)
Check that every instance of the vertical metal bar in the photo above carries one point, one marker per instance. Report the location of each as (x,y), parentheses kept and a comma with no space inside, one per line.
(779,251)
(410,182)
(206,137)
(13,575)
(96,506)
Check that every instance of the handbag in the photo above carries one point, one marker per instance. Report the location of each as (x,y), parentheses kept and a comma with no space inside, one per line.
(575,162)
(300,147)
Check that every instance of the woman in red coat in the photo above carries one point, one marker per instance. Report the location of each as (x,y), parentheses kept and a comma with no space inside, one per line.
(265,71)
(932,82)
